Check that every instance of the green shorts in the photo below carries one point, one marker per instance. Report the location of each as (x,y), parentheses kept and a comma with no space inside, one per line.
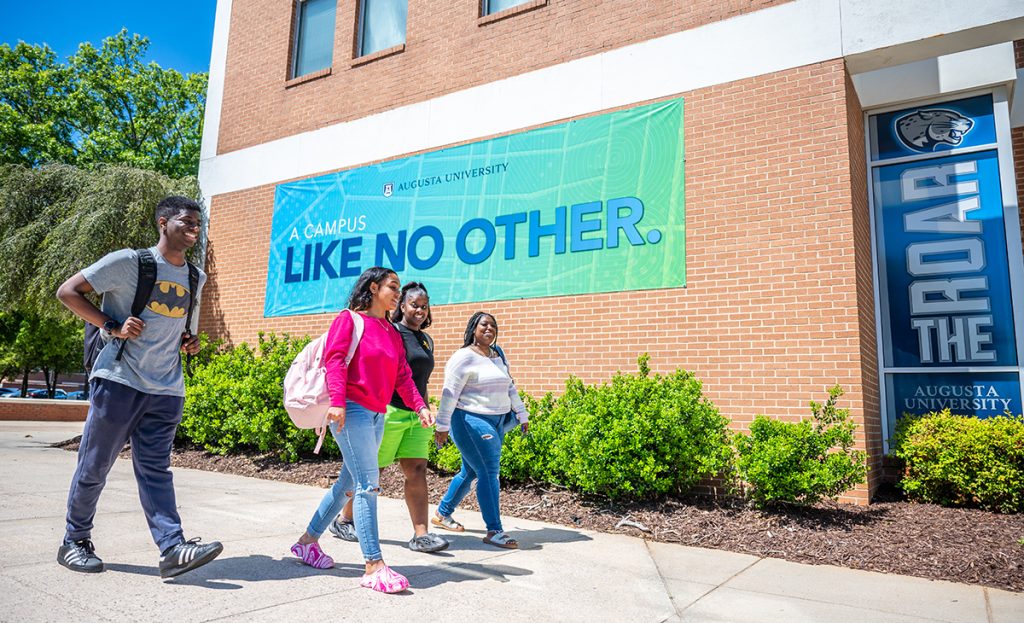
(404,437)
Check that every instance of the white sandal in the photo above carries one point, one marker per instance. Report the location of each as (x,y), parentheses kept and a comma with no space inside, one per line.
(447,523)
(500,539)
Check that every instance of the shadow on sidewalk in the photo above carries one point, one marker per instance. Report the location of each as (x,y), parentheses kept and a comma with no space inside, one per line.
(222,573)
(528,540)
(535,539)
(446,573)
(253,568)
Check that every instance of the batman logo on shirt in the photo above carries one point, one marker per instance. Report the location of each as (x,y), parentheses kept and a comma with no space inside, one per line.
(169,299)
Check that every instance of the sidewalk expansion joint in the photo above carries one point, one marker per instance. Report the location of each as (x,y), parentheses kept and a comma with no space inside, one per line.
(720,585)
(831,604)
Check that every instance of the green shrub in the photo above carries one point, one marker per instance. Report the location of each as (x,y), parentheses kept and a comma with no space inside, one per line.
(518,453)
(526,457)
(801,462)
(234,401)
(447,458)
(638,436)
(962,460)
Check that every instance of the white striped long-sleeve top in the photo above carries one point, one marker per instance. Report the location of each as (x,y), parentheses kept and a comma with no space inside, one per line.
(478,384)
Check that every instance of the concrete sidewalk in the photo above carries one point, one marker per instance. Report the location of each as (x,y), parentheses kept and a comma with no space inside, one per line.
(560,574)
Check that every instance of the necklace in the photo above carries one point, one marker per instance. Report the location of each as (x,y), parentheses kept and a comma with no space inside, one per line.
(482,350)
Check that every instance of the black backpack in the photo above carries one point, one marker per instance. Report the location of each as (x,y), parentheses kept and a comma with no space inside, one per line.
(143,289)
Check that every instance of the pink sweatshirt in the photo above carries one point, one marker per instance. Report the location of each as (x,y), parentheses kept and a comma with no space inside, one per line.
(377,370)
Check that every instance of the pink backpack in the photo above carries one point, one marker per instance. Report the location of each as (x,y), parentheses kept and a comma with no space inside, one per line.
(306,398)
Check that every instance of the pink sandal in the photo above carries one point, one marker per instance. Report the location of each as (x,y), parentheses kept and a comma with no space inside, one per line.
(384,580)
(312,555)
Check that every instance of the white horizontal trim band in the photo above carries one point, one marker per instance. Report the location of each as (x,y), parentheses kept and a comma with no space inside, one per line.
(791,35)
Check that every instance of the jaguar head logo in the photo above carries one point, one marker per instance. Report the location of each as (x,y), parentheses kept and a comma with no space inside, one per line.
(169,299)
(926,129)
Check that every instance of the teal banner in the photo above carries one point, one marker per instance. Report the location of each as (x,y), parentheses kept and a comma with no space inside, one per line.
(592,205)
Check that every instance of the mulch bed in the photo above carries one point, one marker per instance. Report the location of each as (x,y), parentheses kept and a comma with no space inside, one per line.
(890,536)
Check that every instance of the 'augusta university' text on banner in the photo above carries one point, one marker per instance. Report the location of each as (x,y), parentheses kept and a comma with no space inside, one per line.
(592,205)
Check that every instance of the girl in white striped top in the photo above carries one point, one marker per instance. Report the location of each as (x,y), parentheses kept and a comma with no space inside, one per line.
(479,404)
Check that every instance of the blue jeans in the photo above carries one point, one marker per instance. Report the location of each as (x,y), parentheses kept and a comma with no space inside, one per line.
(118,413)
(359,442)
(478,438)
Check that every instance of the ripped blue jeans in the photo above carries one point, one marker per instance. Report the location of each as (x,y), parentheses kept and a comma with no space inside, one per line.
(478,438)
(359,442)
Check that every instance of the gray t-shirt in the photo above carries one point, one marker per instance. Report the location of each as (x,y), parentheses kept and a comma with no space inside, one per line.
(150,363)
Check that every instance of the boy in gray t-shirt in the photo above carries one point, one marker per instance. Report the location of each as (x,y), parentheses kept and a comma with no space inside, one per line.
(140,394)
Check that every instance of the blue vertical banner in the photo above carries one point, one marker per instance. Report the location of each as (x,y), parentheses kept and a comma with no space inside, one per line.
(949,338)
(947,275)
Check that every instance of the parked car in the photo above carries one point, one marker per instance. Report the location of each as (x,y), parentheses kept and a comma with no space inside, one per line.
(60,394)
(10,392)
(79,395)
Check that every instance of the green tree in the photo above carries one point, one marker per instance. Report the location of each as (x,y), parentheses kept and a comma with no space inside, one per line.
(10,323)
(35,112)
(57,219)
(105,105)
(30,341)
(132,132)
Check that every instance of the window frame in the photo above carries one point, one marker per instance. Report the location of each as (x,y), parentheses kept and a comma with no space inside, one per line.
(497,16)
(359,57)
(296,32)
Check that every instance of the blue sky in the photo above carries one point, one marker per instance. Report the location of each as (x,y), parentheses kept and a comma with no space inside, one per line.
(180,31)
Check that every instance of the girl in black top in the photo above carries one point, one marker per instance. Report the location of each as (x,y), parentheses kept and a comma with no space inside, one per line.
(404,437)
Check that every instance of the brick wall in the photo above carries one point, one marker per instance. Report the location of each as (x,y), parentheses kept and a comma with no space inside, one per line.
(1017,138)
(779,301)
(39,410)
(866,322)
(446,51)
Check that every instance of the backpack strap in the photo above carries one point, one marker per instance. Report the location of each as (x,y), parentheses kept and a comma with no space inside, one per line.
(143,287)
(357,334)
(193,285)
(501,354)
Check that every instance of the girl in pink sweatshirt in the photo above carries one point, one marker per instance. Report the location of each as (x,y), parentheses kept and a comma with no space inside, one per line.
(360,392)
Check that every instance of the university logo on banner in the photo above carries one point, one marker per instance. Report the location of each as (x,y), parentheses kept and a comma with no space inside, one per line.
(928,129)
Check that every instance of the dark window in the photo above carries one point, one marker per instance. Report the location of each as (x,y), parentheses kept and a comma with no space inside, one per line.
(381,25)
(493,6)
(314,36)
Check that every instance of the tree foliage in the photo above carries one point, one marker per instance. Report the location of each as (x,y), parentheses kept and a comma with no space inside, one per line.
(29,341)
(104,105)
(56,219)
(87,149)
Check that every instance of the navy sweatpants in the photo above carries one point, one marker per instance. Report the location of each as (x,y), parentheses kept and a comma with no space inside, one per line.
(118,413)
